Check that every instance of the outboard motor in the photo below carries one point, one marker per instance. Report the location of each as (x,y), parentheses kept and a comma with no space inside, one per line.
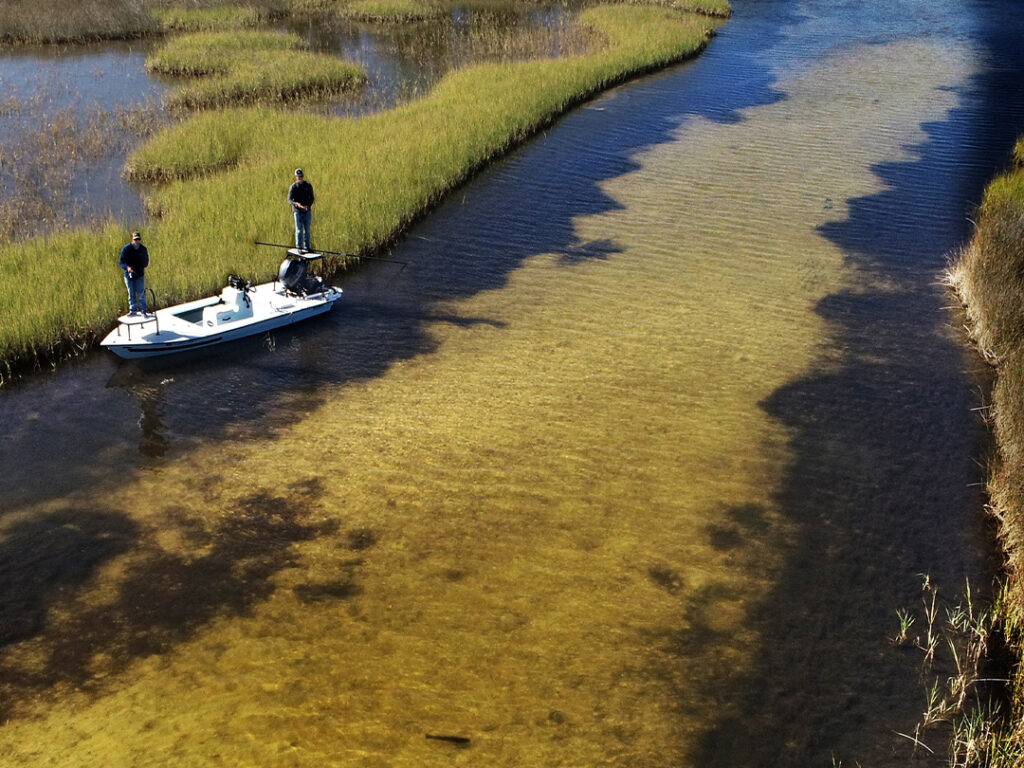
(294,273)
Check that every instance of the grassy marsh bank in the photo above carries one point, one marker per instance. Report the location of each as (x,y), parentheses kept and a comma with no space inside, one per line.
(708,7)
(58,21)
(390,11)
(372,178)
(989,277)
(245,67)
(71,21)
(217,15)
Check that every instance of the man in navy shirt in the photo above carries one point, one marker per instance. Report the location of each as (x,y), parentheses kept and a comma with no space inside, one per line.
(133,262)
(300,195)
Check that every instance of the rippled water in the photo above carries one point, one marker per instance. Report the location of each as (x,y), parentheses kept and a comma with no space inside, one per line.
(632,465)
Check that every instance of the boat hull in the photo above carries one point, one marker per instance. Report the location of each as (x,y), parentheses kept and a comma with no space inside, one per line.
(196,325)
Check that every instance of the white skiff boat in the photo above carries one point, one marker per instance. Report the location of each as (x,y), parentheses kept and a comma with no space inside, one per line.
(240,310)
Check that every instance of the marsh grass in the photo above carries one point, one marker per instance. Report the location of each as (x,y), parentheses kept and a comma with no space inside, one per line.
(247,67)
(208,19)
(390,11)
(719,8)
(989,278)
(964,699)
(988,275)
(71,21)
(39,165)
(437,47)
(216,145)
(77,21)
(493,36)
(489,39)
(216,53)
(709,7)
(217,15)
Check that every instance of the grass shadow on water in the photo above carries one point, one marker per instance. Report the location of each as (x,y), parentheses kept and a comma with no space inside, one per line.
(65,624)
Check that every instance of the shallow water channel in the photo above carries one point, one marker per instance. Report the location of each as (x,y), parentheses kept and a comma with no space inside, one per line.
(631,465)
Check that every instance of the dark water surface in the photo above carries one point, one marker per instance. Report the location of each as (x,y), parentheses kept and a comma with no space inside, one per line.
(632,465)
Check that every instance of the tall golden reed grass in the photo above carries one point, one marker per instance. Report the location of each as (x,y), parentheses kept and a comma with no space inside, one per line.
(989,277)
(390,11)
(209,19)
(373,176)
(77,21)
(61,21)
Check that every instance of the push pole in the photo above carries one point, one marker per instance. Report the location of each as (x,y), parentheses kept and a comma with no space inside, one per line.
(340,253)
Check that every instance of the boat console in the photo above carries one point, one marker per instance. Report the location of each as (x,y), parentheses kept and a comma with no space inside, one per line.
(234,305)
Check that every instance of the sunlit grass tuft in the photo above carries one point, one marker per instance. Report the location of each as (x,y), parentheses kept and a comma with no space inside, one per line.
(214,15)
(709,7)
(208,19)
(247,67)
(203,146)
(390,11)
(720,8)
(207,53)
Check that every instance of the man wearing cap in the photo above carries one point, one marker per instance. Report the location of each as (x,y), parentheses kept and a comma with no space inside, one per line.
(300,195)
(133,262)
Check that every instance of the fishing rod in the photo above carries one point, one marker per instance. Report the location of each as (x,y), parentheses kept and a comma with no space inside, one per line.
(342,253)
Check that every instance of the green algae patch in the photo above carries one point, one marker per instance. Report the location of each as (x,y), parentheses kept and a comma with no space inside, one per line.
(243,67)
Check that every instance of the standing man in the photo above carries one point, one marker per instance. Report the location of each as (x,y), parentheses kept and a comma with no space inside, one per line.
(134,260)
(300,195)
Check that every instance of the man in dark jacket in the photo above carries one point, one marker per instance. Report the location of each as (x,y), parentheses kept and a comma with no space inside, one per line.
(133,262)
(300,195)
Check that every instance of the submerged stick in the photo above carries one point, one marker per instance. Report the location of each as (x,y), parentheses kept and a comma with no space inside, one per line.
(916,741)
(453,739)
